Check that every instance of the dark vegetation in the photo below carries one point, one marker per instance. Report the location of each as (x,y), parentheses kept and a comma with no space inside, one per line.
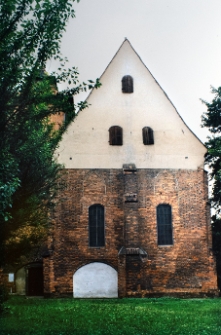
(216,231)
(30,34)
(212,121)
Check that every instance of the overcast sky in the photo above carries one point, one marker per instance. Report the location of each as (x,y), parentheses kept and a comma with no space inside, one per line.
(178,40)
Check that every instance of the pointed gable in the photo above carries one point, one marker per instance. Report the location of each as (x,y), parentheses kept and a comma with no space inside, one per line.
(87,144)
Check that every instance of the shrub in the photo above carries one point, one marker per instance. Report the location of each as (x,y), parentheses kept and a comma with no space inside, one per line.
(3,297)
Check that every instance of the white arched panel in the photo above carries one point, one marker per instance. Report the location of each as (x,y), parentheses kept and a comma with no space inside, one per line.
(20,281)
(95,280)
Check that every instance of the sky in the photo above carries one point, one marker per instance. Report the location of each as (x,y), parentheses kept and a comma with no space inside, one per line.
(178,40)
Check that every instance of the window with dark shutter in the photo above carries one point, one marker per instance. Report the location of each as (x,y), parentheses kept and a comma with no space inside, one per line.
(148,136)
(164,225)
(116,135)
(127,84)
(96,226)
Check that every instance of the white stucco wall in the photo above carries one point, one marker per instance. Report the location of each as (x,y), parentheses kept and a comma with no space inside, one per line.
(20,281)
(85,145)
(95,280)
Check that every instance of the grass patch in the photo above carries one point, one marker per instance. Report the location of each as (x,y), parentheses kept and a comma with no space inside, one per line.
(163,316)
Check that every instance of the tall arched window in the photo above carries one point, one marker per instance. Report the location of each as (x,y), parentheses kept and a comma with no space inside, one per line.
(148,136)
(127,84)
(116,135)
(96,226)
(164,225)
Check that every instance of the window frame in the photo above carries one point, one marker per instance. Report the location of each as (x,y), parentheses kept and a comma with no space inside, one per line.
(116,135)
(165,227)
(98,225)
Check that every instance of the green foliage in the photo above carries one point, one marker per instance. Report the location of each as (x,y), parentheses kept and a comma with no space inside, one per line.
(30,34)
(112,316)
(212,120)
(3,297)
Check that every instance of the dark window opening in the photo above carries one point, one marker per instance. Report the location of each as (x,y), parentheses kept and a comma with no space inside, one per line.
(127,84)
(96,226)
(164,225)
(116,135)
(148,136)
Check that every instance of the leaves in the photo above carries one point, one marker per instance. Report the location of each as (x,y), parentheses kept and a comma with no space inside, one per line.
(212,120)
(30,34)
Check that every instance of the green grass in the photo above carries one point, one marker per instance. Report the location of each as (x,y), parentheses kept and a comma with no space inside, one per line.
(163,316)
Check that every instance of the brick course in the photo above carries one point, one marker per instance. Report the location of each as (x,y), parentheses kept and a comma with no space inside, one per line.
(130,198)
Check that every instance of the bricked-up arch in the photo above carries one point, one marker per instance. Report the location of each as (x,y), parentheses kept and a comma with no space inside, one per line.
(116,135)
(95,280)
(147,136)
(96,226)
(164,224)
(127,84)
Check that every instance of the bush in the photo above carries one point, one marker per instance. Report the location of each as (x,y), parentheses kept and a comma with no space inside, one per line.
(3,296)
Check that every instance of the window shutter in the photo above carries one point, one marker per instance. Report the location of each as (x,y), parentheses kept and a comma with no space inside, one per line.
(92,226)
(127,84)
(148,136)
(100,226)
(116,135)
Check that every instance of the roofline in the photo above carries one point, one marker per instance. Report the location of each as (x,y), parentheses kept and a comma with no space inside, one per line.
(126,40)
(110,63)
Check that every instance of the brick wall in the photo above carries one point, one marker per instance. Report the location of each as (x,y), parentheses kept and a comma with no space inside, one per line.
(130,198)
(57,119)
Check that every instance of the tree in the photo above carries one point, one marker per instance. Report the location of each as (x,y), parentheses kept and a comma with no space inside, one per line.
(212,120)
(30,34)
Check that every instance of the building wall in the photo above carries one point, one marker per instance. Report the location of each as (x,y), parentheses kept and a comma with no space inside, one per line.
(95,280)
(86,143)
(187,266)
(130,181)
(57,120)
(20,281)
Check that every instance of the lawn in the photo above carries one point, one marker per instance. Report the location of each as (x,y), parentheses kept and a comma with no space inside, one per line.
(163,316)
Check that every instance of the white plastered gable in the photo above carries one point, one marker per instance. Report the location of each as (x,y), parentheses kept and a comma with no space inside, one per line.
(86,143)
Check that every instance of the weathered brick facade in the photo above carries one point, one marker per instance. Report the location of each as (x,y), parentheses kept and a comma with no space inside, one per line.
(126,157)
(130,197)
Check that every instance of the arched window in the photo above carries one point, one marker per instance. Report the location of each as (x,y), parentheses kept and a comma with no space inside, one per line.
(96,226)
(164,225)
(148,136)
(127,84)
(116,135)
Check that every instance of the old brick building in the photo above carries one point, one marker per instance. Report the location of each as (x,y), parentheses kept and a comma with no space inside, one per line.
(132,216)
